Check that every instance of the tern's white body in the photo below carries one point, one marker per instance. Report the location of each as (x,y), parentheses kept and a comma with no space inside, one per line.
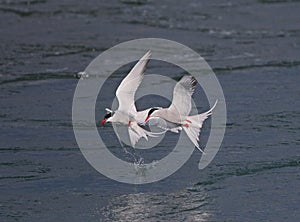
(178,112)
(126,113)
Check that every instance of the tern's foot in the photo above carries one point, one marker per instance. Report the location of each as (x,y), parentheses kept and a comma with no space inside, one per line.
(186,125)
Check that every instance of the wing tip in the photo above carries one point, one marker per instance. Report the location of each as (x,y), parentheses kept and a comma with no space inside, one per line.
(193,82)
(147,55)
(189,82)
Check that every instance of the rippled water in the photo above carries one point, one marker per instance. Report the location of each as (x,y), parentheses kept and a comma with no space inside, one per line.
(253,47)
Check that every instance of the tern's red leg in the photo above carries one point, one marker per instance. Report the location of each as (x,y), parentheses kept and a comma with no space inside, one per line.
(129,123)
(186,125)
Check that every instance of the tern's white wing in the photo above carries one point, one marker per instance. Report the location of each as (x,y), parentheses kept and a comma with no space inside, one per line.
(127,88)
(182,95)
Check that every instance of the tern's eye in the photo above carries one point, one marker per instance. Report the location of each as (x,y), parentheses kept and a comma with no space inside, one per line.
(107,116)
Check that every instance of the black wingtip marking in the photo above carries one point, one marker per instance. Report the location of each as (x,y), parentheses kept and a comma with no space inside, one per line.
(194,82)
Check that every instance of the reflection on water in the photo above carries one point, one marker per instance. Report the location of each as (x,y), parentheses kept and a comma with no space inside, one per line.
(186,205)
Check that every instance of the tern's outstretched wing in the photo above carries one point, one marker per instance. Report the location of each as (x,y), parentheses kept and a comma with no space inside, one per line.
(182,95)
(126,90)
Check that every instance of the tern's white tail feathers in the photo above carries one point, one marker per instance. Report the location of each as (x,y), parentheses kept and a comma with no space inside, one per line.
(193,134)
(193,130)
(136,132)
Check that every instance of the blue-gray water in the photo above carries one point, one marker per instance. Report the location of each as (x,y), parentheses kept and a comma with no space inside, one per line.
(253,47)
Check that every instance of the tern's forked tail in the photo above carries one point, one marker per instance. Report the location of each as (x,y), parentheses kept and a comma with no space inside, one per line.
(136,132)
(195,125)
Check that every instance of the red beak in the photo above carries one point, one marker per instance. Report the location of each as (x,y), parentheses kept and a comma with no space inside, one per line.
(102,122)
(147,118)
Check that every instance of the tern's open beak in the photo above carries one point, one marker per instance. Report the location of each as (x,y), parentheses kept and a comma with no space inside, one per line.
(102,122)
(147,118)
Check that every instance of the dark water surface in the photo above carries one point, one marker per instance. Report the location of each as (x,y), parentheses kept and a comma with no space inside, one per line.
(253,47)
